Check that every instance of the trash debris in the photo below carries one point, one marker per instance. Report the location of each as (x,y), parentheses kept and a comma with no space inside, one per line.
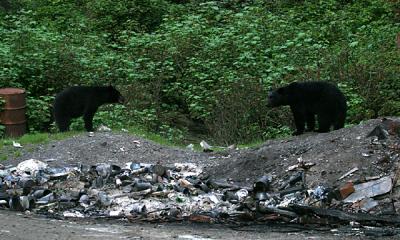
(349,173)
(205,146)
(103,128)
(387,127)
(74,214)
(379,132)
(31,166)
(297,177)
(367,204)
(346,190)
(262,184)
(190,147)
(301,165)
(242,194)
(16,144)
(141,190)
(233,146)
(320,192)
(370,189)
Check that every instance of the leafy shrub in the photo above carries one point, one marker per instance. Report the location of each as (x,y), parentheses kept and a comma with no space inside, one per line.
(204,66)
(39,113)
(115,16)
(112,116)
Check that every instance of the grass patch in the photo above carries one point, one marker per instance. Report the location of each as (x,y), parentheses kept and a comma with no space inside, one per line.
(17,153)
(137,131)
(64,135)
(36,138)
(33,138)
(251,145)
(8,151)
(26,139)
(39,138)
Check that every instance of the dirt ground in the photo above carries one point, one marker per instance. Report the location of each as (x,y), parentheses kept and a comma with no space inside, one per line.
(18,226)
(107,147)
(333,153)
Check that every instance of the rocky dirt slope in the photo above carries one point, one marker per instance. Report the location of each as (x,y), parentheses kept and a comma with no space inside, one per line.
(333,154)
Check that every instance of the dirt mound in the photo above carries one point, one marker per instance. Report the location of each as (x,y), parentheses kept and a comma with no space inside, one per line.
(333,153)
(109,147)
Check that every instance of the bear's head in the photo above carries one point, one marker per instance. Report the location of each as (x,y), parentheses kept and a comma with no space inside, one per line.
(115,96)
(281,96)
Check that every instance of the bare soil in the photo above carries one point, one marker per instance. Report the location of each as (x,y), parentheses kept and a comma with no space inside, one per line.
(17,226)
(107,147)
(334,154)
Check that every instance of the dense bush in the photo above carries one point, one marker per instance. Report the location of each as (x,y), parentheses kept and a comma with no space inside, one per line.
(216,64)
(203,67)
(115,16)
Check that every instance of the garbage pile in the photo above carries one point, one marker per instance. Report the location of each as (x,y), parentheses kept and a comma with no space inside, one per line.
(183,192)
(148,192)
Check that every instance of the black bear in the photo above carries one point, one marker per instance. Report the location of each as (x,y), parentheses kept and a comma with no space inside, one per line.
(307,99)
(83,101)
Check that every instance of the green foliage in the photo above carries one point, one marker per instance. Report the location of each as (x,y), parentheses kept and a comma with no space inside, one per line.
(77,124)
(215,64)
(153,136)
(59,14)
(38,112)
(203,67)
(34,138)
(112,117)
(172,134)
(2,130)
(354,103)
(115,16)
(274,132)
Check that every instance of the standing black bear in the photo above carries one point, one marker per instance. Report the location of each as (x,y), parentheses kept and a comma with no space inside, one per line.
(76,101)
(307,99)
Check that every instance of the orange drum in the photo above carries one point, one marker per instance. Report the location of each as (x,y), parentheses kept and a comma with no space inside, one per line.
(12,113)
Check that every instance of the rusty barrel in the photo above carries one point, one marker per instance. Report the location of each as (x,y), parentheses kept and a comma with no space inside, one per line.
(12,113)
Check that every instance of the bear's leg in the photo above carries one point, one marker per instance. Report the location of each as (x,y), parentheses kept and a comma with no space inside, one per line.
(299,120)
(324,122)
(339,123)
(63,124)
(88,119)
(310,118)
